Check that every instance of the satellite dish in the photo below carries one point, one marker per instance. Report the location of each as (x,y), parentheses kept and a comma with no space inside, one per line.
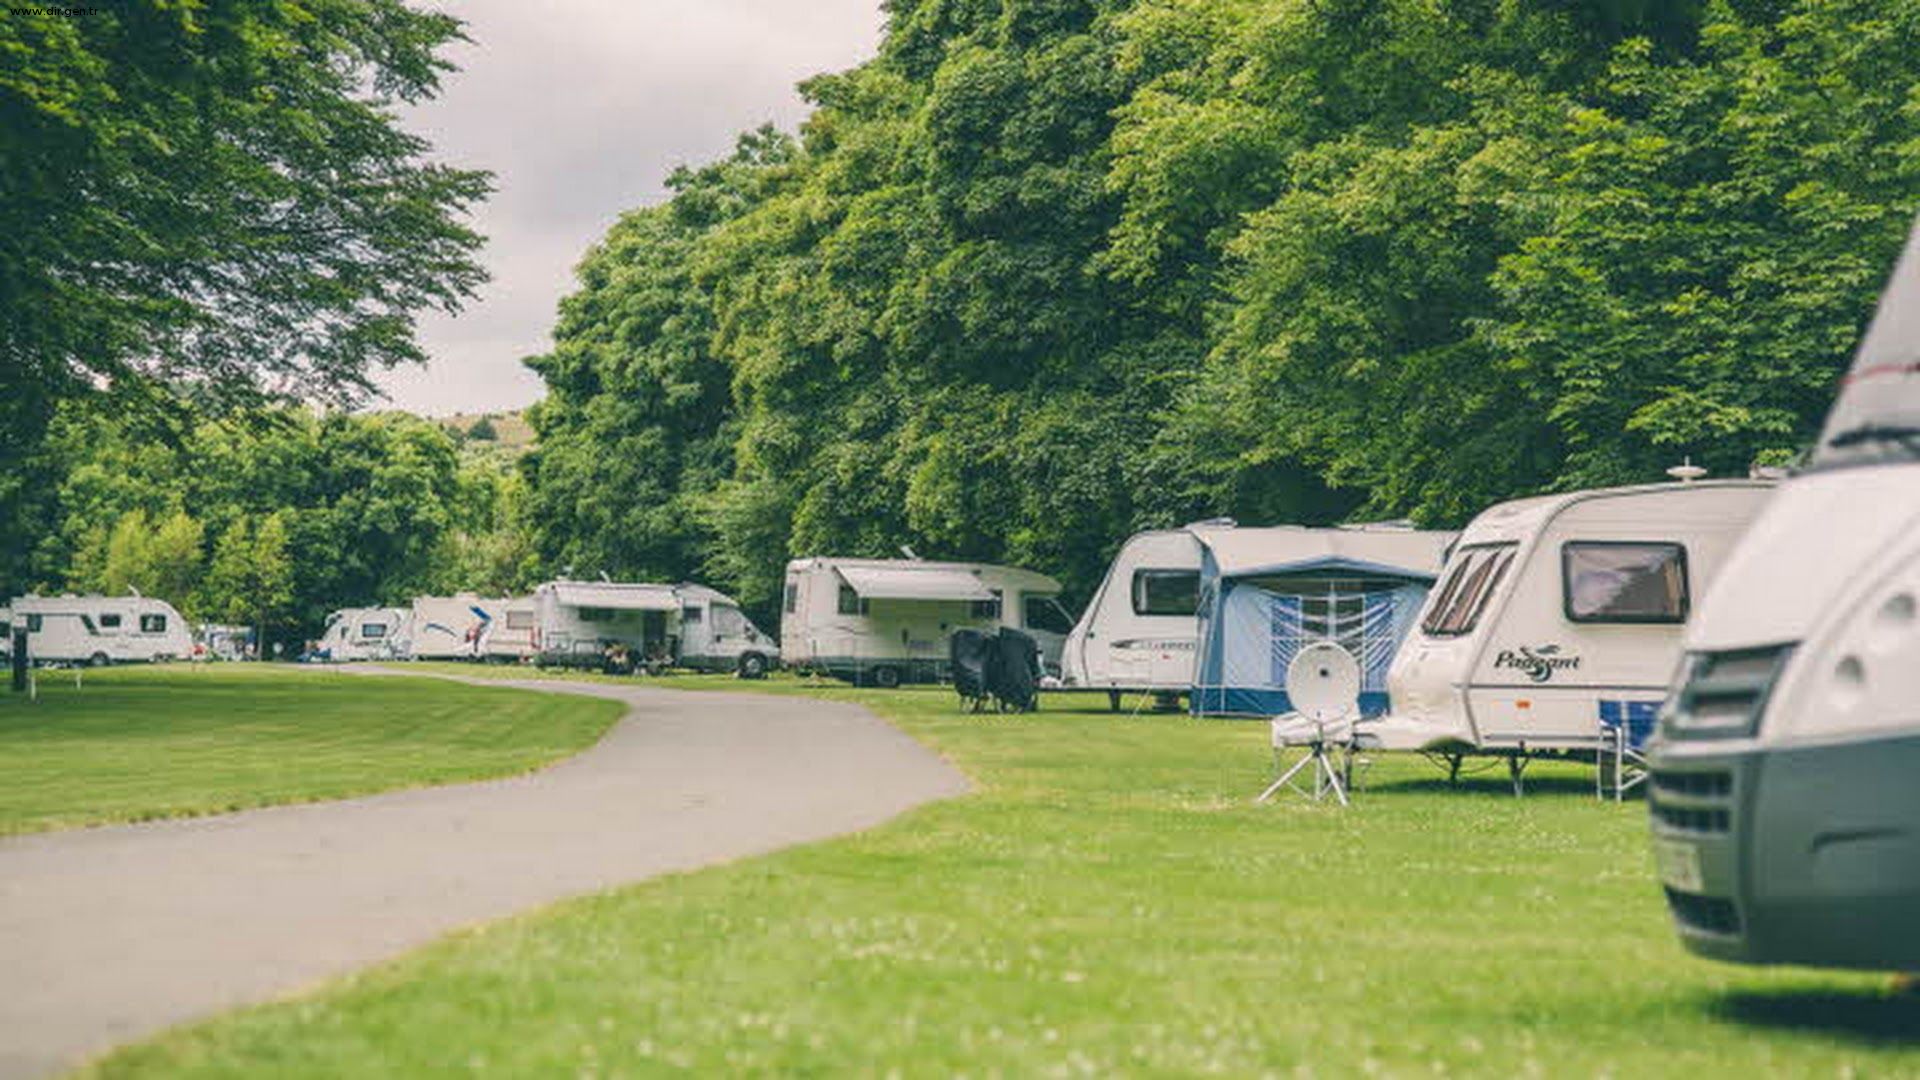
(1324,683)
(1687,472)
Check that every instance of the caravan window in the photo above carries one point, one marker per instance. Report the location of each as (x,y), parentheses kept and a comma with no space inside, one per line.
(110,620)
(149,624)
(1045,615)
(596,614)
(1612,582)
(373,630)
(691,614)
(793,597)
(987,609)
(1472,581)
(34,622)
(851,603)
(1166,592)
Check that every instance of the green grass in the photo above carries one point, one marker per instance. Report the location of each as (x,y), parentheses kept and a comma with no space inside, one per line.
(1108,902)
(131,744)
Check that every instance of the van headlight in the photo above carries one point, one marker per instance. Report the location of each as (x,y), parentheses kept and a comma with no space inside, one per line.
(1722,695)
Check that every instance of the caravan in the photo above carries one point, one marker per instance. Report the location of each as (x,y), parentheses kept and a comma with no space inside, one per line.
(446,627)
(1559,619)
(576,623)
(887,621)
(362,634)
(1785,822)
(509,638)
(102,629)
(1217,612)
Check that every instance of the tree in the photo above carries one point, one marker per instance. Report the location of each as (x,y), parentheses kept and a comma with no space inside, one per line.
(209,204)
(251,579)
(483,431)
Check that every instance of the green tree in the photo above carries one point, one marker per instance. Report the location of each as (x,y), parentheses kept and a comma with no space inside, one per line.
(214,203)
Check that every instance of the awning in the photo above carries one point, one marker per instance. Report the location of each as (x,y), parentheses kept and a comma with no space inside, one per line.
(614,597)
(907,583)
(1238,553)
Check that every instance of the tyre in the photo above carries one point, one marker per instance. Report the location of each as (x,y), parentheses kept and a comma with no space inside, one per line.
(753,666)
(98,659)
(886,678)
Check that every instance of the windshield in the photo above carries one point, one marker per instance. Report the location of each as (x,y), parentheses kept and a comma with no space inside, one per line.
(1876,420)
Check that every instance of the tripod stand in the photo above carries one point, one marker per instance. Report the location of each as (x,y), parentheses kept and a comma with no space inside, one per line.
(1321,744)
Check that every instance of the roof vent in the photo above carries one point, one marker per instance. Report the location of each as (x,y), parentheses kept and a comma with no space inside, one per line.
(1214,523)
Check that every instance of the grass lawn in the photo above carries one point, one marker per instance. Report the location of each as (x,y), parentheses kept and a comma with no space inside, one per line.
(134,743)
(1108,902)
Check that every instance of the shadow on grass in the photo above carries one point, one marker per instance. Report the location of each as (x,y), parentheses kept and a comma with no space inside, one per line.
(1869,1016)
(1490,783)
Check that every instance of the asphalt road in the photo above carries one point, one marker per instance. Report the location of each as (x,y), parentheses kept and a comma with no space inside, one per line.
(111,934)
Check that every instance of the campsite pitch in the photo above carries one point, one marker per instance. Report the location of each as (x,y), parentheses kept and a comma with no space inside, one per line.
(1108,901)
(138,743)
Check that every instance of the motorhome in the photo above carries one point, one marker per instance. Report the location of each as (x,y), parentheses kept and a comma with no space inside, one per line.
(447,627)
(887,621)
(1560,619)
(1215,612)
(369,633)
(1782,793)
(576,622)
(101,629)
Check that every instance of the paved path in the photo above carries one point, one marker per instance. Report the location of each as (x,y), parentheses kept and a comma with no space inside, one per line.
(110,934)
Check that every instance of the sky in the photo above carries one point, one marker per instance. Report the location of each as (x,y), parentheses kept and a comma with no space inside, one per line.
(581,109)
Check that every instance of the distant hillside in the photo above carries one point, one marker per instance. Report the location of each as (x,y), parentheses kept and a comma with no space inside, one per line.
(508,430)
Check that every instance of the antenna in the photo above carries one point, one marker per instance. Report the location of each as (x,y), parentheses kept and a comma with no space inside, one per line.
(605,578)
(909,553)
(137,594)
(1687,472)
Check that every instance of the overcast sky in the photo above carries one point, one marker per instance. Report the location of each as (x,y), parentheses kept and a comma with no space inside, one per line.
(581,108)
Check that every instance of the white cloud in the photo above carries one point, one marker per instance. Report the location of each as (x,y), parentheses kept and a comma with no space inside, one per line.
(582,109)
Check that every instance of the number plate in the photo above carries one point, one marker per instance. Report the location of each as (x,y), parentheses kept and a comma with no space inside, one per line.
(1679,864)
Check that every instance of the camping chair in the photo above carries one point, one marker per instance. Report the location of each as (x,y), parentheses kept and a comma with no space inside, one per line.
(1625,727)
(967,657)
(1013,671)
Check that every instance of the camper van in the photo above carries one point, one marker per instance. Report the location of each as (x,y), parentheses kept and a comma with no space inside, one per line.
(1786,826)
(1560,618)
(887,621)
(576,622)
(446,627)
(362,634)
(102,629)
(1217,612)
(715,635)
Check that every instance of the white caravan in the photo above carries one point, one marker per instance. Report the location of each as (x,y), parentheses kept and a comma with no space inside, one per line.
(510,637)
(1782,792)
(887,621)
(216,642)
(102,629)
(1560,619)
(1140,633)
(447,627)
(362,634)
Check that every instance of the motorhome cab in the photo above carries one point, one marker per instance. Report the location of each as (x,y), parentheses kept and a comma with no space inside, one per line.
(102,629)
(1560,618)
(1785,815)
(575,622)
(887,621)
(362,634)
(1217,612)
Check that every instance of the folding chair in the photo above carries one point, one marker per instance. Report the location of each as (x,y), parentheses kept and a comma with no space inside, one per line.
(1625,727)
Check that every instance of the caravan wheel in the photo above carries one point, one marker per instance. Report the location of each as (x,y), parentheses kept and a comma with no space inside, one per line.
(886,678)
(98,659)
(753,666)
